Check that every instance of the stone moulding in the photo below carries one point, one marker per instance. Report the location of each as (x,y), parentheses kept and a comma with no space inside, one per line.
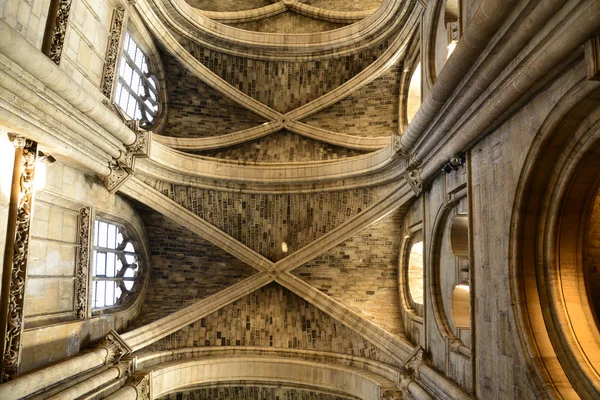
(18,273)
(82,277)
(592,58)
(113,51)
(116,347)
(60,30)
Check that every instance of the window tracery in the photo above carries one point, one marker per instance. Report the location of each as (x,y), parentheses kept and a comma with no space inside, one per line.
(115,265)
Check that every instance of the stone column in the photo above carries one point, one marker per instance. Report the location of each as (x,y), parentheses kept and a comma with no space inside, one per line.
(15,257)
(110,350)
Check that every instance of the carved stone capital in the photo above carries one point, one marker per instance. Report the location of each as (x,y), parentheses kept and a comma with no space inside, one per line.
(125,367)
(142,383)
(82,263)
(126,161)
(141,146)
(413,362)
(393,395)
(414,180)
(116,346)
(592,58)
(117,177)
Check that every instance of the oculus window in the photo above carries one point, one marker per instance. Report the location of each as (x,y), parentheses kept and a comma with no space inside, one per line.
(115,265)
(137,89)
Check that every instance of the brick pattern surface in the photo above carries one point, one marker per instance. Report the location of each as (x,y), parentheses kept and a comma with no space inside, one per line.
(262,221)
(184,268)
(362,273)
(371,111)
(345,5)
(281,85)
(592,266)
(283,146)
(272,317)
(197,110)
(250,393)
(288,22)
(228,5)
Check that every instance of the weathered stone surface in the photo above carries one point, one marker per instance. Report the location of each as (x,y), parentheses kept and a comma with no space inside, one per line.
(272,317)
(362,273)
(288,22)
(250,392)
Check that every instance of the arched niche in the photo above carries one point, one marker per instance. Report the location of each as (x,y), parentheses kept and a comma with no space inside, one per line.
(415,272)
(449,273)
(549,237)
(414,97)
(444,31)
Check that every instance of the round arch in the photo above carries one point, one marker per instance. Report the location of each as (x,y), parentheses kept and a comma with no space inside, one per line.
(552,310)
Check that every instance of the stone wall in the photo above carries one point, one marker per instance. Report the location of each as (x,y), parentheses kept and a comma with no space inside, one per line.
(197,110)
(288,22)
(26,16)
(284,86)
(272,317)
(250,392)
(283,146)
(362,273)
(262,221)
(371,111)
(592,262)
(185,268)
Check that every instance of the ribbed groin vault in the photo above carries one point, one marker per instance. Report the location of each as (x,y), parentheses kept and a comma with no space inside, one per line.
(300,199)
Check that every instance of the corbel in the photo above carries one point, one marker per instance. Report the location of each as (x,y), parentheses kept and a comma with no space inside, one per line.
(413,178)
(116,178)
(411,365)
(115,345)
(142,383)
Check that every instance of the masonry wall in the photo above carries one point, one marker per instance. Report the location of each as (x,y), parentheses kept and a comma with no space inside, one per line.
(288,22)
(371,111)
(282,85)
(28,17)
(272,317)
(362,273)
(185,268)
(51,330)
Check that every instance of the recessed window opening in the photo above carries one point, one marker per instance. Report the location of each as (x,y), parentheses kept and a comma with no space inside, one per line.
(137,89)
(414,94)
(415,272)
(115,265)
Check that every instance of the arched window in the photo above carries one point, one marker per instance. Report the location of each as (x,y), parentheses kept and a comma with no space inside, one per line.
(115,265)
(137,89)
(415,272)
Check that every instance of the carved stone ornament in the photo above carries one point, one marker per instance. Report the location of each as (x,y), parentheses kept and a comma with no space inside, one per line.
(126,161)
(113,51)
(141,146)
(117,177)
(16,296)
(453,29)
(142,382)
(125,367)
(60,29)
(412,363)
(414,180)
(394,395)
(83,263)
(592,58)
(116,346)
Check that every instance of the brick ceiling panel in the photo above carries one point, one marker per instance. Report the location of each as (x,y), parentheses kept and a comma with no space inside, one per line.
(371,111)
(263,221)
(184,268)
(284,85)
(288,22)
(362,273)
(229,5)
(272,317)
(345,5)
(283,146)
(197,110)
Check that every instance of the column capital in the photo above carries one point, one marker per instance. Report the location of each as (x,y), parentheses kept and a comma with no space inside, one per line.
(410,367)
(115,345)
(142,383)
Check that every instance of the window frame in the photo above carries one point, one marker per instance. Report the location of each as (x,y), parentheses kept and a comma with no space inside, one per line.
(120,255)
